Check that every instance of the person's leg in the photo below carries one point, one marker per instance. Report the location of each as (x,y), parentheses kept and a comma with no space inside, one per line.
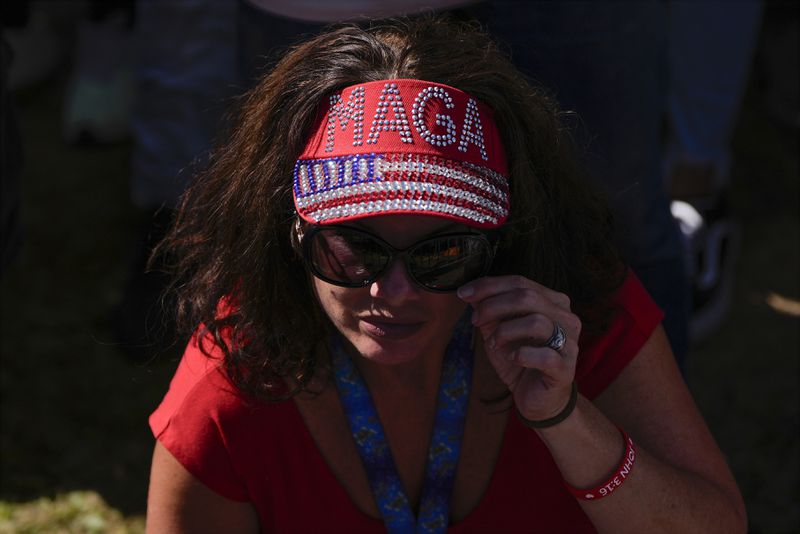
(186,74)
(185,70)
(10,171)
(606,62)
(100,93)
(711,46)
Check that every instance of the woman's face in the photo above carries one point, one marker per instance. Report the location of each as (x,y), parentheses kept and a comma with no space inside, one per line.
(394,320)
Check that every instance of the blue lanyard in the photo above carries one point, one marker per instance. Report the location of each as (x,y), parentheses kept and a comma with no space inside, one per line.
(445,445)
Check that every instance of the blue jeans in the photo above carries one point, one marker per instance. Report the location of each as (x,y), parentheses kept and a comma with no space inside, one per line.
(710,52)
(186,72)
(607,61)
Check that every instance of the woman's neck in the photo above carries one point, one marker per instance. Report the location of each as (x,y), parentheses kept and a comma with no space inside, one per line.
(419,377)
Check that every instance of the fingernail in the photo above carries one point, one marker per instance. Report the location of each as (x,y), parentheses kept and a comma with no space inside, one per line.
(465,292)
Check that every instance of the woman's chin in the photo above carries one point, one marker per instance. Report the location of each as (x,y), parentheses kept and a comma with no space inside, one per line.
(386,352)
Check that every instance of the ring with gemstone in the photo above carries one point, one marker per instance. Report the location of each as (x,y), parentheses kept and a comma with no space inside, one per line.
(558,339)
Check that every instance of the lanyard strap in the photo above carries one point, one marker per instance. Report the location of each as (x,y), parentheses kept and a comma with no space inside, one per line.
(445,444)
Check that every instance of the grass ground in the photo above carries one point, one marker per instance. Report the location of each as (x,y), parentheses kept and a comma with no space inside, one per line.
(75,447)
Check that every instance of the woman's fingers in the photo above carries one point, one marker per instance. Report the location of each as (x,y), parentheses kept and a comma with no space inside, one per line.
(522,342)
(514,302)
(544,359)
(517,318)
(523,315)
(534,329)
(488,286)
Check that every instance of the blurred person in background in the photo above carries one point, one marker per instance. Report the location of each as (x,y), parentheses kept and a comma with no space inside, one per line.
(711,48)
(184,64)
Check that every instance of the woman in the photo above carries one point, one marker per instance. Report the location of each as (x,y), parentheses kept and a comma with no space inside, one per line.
(413,318)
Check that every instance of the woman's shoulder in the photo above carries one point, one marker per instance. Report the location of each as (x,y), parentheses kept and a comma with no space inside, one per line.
(215,431)
(633,299)
(199,386)
(634,318)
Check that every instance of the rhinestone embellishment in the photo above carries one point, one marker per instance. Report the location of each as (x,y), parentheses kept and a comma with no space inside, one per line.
(353,110)
(418,117)
(329,189)
(468,135)
(390,98)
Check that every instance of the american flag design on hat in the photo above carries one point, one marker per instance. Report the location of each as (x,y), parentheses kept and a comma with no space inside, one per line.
(403,147)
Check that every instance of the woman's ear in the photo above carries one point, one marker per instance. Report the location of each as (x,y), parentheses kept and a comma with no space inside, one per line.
(296,235)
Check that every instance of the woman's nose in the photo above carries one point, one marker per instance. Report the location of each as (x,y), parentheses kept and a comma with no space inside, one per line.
(394,285)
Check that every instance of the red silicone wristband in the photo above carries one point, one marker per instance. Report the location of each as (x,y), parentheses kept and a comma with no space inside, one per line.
(615,480)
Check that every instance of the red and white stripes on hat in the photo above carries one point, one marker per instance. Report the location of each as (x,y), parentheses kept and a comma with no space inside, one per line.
(403,147)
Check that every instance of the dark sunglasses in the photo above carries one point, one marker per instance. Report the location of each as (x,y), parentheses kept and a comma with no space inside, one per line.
(349,257)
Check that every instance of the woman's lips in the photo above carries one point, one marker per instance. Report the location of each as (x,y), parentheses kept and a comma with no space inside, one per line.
(390,329)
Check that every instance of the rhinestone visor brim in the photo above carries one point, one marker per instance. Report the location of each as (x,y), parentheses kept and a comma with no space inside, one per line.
(349,187)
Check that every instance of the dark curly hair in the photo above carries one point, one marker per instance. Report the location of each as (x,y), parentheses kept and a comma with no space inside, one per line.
(232,237)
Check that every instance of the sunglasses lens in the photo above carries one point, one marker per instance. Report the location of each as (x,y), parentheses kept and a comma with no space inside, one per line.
(353,258)
(346,257)
(445,263)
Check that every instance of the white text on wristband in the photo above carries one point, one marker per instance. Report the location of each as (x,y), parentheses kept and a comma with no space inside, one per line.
(615,480)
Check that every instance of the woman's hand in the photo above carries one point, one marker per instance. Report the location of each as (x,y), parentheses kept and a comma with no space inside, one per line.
(680,483)
(517,317)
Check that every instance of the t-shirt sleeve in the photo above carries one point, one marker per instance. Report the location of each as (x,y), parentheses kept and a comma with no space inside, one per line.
(603,357)
(190,422)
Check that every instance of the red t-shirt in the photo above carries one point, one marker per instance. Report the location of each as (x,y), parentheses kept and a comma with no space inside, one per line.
(262,452)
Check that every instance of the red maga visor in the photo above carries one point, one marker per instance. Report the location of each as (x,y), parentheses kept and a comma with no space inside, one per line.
(403,147)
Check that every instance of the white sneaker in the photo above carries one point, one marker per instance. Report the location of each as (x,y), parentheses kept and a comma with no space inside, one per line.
(711,246)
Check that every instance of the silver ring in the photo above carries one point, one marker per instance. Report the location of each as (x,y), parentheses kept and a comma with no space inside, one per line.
(558,339)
